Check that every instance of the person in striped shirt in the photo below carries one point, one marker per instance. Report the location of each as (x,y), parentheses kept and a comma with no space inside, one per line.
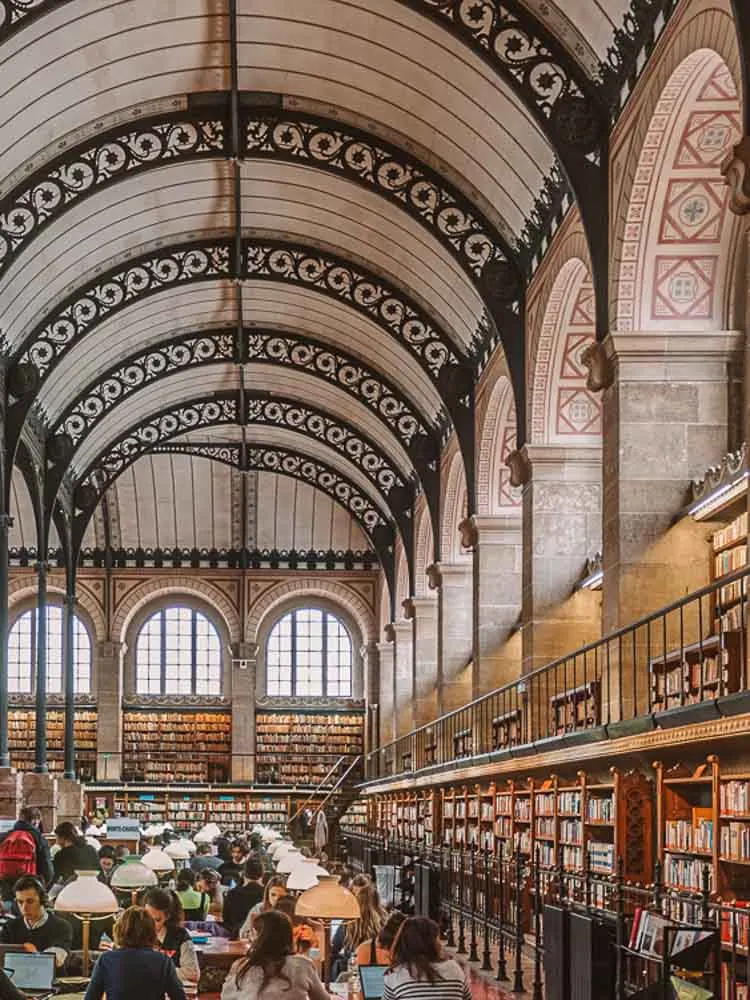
(420,969)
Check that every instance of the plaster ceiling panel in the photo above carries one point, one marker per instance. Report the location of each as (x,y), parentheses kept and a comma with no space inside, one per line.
(318,522)
(23,530)
(175,501)
(298,203)
(182,386)
(392,66)
(585,27)
(81,61)
(396,67)
(207,306)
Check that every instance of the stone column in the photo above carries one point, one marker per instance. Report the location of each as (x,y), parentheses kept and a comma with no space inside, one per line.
(108,673)
(244,676)
(387,708)
(562,505)
(40,761)
(497,548)
(6,523)
(665,422)
(369,656)
(455,627)
(423,612)
(69,668)
(400,634)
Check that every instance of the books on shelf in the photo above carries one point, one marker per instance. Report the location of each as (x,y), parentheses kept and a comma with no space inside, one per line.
(734,532)
(600,809)
(569,803)
(734,798)
(682,872)
(601,857)
(734,841)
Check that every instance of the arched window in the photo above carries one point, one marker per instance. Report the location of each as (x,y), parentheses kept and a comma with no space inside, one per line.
(309,655)
(178,651)
(22,653)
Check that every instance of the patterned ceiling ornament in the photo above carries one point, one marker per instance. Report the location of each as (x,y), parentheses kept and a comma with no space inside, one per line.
(117,289)
(264,458)
(15,13)
(115,386)
(442,209)
(83,171)
(388,307)
(551,83)
(108,466)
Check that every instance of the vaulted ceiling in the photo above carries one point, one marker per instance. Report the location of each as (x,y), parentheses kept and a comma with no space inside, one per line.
(271,243)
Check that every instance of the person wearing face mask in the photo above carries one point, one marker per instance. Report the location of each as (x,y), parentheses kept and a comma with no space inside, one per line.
(172,939)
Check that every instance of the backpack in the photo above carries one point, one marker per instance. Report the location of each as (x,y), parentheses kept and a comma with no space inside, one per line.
(18,854)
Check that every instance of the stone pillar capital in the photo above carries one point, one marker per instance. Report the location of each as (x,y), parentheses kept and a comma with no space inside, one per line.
(736,171)
(672,355)
(442,574)
(569,463)
(385,648)
(498,529)
(108,650)
(245,651)
(400,629)
(417,607)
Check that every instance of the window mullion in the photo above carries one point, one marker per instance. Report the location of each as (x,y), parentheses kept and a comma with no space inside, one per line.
(163,649)
(193,651)
(294,654)
(324,657)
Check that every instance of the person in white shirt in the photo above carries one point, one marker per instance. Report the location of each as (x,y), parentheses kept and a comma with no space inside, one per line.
(419,969)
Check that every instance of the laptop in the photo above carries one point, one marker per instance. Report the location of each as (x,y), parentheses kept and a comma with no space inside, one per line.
(33,974)
(372,980)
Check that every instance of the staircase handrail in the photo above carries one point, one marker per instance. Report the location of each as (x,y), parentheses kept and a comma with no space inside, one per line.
(318,788)
(338,784)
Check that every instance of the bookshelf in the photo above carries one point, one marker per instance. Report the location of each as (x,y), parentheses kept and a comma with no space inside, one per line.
(21,723)
(576,708)
(354,820)
(235,810)
(176,745)
(300,747)
(507,730)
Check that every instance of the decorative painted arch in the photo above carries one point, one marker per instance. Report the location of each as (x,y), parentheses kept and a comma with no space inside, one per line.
(22,589)
(424,554)
(453,508)
(337,593)
(497,438)
(662,105)
(186,585)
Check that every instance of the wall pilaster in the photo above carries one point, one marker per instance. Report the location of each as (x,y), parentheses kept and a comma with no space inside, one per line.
(244,674)
(401,635)
(453,582)
(386,654)
(562,518)
(423,612)
(108,673)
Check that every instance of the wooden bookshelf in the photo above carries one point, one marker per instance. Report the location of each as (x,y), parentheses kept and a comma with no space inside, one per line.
(176,745)
(21,726)
(355,819)
(507,730)
(234,809)
(577,708)
(300,747)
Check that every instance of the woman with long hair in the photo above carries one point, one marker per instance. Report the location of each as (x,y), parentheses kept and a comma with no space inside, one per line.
(165,909)
(419,966)
(379,950)
(349,937)
(270,969)
(209,881)
(274,891)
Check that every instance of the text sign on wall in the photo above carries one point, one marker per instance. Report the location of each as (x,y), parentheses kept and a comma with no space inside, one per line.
(123,829)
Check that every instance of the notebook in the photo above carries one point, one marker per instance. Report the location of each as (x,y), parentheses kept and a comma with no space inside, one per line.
(31,973)
(372,978)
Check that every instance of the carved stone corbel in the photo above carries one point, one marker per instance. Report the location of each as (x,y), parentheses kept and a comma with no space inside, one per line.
(408,606)
(468,531)
(520,468)
(736,171)
(600,372)
(433,576)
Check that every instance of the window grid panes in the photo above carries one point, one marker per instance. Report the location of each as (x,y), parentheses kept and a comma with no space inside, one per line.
(178,651)
(309,655)
(22,653)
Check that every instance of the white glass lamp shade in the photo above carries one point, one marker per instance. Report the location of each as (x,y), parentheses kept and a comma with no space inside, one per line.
(133,875)
(187,844)
(158,860)
(176,851)
(93,842)
(328,901)
(305,876)
(281,848)
(86,895)
(288,862)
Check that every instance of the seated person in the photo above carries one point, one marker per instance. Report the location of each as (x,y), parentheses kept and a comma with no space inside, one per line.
(205,858)
(194,903)
(231,871)
(377,951)
(7,990)
(239,901)
(172,939)
(75,855)
(37,929)
(274,891)
(209,882)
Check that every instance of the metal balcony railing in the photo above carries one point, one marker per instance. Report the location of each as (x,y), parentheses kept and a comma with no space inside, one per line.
(684,663)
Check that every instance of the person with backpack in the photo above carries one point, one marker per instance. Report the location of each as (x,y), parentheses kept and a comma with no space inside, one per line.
(75,855)
(24,851)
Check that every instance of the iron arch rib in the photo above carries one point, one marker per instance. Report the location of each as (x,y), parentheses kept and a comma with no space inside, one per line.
(157,434)
(399,417)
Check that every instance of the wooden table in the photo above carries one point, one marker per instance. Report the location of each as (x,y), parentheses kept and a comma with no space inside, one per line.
(215,959)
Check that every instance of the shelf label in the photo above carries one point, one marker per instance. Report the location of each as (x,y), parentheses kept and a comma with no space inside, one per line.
(6,825)
(122,828)
(226,798)
(147,798)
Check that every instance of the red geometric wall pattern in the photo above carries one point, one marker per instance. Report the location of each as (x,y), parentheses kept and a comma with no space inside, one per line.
(677,230)
(578,411)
